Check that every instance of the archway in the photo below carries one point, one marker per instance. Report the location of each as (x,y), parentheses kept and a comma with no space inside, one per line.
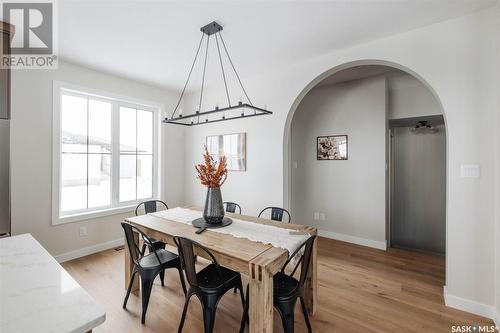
(287,167)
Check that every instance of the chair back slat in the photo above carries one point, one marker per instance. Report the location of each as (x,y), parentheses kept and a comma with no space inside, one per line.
(150,206)
(304,261)
(232,206)
(277,214)
(133,247)
(186,248)
(135,252)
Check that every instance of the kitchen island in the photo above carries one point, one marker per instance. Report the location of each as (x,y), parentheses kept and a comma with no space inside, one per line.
(38,295)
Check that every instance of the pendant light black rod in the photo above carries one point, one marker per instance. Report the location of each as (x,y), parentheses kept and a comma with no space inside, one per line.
(204,71)
(218,110)
(174,121)
(222,67)
(189,75)
(234,69)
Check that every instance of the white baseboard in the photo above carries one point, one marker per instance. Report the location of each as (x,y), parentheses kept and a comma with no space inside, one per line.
(497,321)
(353,239)
(471,306)
(88,250)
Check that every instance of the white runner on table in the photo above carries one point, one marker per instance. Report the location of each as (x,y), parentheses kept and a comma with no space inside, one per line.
(288,239)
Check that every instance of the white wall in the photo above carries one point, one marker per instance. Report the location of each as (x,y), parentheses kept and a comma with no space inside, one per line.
(31,155)
(350,194)
(408,98)
(456,59)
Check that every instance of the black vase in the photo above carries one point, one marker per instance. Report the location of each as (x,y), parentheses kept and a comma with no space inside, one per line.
(214,208)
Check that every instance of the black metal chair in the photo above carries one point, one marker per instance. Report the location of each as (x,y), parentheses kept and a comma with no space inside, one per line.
(148,266)
(209,284)
(277,213)
(151,206)
(232,206)
(287,289)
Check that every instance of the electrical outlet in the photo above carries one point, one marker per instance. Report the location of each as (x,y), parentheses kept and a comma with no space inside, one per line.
(316,216)
(470,171)
(83,231)
(322,216)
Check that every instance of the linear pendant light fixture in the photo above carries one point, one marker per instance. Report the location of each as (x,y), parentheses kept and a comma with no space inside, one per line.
(233,111)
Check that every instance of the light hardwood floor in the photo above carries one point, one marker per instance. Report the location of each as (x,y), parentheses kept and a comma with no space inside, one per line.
(360,290)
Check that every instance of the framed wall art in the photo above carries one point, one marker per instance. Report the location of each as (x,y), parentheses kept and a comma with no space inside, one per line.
(332,147)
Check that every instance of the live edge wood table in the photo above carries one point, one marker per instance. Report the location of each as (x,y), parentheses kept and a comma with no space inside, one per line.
(258,261)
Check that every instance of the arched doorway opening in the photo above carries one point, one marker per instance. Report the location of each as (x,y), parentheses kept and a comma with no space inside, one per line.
(390,210)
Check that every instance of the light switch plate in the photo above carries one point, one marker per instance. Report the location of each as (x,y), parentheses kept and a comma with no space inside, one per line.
(470,171)
(316,216)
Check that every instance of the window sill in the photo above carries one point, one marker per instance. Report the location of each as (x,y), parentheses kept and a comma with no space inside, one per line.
(92,215)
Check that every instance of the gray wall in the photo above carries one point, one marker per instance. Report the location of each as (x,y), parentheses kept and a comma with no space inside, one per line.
(350,193)
(408,98)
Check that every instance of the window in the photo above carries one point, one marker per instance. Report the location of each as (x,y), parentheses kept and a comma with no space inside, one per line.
(105,153)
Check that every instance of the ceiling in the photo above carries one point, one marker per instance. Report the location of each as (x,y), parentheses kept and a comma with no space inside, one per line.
(154,41)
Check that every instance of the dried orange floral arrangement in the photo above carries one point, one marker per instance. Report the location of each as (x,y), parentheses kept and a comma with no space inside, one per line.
(210,173)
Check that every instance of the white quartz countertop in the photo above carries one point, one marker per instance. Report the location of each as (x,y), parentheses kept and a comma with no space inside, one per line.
(38,295)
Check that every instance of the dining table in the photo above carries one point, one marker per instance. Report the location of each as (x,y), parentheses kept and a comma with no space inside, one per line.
(256,260)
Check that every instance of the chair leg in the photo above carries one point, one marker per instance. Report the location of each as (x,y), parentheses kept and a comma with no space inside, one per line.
(209,310)
(286,311)
(129,289)
(184,311)
(306,315)
(147,285)
(240,287)
(181,277)
(244,317)
(162,278)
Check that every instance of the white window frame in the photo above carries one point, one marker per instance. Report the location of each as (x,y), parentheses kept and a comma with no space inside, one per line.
(116,207)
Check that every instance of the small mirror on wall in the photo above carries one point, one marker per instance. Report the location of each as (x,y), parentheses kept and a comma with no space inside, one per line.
(233,146)
(333,147)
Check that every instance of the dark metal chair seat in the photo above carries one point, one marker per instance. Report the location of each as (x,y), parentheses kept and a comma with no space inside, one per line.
(209,284)
(151,206)
(212,277)
(167,259)
(148,266)
(287,290)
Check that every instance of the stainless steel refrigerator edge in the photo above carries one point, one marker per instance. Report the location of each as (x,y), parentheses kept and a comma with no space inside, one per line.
(5,222)
(4,177)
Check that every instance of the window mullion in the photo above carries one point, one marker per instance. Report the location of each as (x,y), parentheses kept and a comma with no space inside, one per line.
(87,155)
(115,154)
